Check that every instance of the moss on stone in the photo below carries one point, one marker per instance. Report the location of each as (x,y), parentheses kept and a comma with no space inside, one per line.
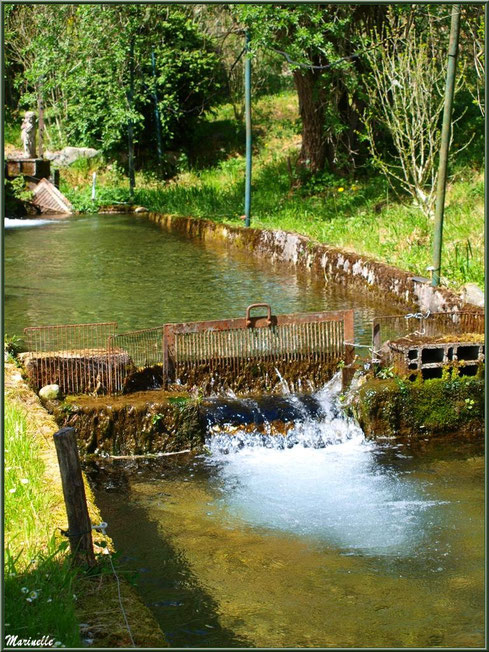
(433,407)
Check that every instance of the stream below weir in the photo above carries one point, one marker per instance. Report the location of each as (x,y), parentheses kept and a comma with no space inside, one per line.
(311,538)
(317,538)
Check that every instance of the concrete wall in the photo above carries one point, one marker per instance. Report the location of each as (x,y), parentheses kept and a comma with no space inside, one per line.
(337,265)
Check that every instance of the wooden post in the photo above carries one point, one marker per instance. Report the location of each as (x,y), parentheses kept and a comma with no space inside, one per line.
(79,525)
(376,339)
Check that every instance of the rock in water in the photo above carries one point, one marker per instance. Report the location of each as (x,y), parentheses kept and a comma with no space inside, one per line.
(49,392)
(471,293)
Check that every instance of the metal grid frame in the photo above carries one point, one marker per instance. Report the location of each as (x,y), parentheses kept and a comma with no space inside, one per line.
(393,327)
(229,344)
(75,356)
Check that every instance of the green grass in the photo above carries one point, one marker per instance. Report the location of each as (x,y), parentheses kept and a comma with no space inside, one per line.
(39,598)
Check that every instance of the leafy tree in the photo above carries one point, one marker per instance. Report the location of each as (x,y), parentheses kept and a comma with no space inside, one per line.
(406,92)
(319,42)
(406,97)
(86,56)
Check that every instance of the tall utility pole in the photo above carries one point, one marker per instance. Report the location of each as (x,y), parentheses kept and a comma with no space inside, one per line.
(157,110)
(247,81)
(445,142)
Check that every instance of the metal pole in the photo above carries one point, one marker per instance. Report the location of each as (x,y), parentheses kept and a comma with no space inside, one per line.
(248,132)
(157,110)
(40,109)
(130,127)
(445,142)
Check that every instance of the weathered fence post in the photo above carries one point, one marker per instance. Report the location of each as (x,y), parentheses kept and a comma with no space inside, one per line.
(376,338)
(79,525)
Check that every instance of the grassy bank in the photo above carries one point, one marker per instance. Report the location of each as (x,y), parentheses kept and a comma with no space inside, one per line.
(39,593)
(44,595)
(359,212)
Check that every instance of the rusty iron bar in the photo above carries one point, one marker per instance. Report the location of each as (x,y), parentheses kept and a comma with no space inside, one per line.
(232,343)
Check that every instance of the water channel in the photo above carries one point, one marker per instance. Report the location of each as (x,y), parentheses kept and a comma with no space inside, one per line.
(121,268)
(319,540)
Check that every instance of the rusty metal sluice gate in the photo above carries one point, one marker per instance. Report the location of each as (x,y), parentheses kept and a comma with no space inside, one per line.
(248,353)
(235,353)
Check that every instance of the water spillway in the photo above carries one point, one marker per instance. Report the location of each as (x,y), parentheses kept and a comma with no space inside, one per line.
(304,535)
(278,422)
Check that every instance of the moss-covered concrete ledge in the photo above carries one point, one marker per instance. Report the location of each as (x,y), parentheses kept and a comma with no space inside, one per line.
(432,408)
(335,264)
(132,424)
(98,602)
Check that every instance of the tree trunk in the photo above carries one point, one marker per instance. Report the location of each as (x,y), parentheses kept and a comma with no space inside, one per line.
(311,108)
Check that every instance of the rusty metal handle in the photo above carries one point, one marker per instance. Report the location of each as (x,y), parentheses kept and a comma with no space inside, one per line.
(258,305)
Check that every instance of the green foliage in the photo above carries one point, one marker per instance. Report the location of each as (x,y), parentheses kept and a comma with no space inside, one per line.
(330,93)
(12,345)
(82,59)
(436,406)
(16,196)
(156,418)
(385,372)
(17,189)
(40,598)
(364,216)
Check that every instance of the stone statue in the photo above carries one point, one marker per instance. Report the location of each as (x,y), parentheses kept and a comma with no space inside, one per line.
(28,134)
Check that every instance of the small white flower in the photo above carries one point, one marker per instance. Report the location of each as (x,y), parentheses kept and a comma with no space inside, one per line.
(24,480)
(33,595)
(24,589)
(49,600)
(12,491)
(29,599)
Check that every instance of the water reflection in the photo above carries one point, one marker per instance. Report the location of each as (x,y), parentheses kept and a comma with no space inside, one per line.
(118,267)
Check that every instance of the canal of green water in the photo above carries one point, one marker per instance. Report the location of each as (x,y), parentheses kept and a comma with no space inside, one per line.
(319,539)
(126,269)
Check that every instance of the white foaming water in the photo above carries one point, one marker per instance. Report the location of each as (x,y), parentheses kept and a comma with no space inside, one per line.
(331,427)
(11,222)
(322,480)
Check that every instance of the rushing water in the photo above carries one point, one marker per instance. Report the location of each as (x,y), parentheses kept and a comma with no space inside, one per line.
(127,269)
(314,539)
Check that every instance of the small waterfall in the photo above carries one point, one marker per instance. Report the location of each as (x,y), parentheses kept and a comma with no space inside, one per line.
(280,422)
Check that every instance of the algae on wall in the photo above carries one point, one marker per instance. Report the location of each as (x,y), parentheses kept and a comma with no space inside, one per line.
(132,424)
(439,406)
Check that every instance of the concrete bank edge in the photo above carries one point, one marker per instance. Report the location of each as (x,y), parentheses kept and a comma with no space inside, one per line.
(336,264)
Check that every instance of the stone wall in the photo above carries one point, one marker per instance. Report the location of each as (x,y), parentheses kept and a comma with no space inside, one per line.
(337,265)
